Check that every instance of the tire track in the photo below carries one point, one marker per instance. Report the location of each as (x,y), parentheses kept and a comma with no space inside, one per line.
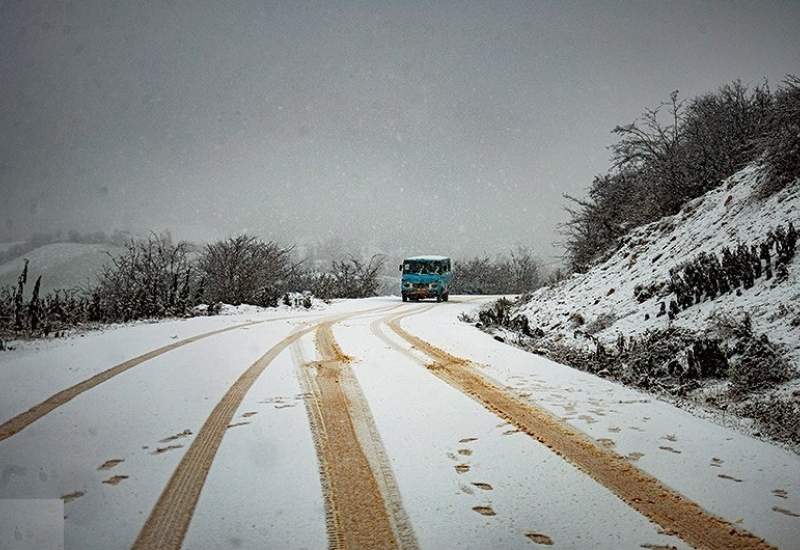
(21,421)
(362,501)
(169,520)
(666,507)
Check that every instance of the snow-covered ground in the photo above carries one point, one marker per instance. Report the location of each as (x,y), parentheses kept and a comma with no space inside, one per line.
(724,216)
(688,453)
(111,450)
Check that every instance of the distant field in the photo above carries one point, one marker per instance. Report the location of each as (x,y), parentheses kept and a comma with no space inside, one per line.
(62,265)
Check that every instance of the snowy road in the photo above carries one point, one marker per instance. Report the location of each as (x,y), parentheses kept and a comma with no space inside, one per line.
(371,423)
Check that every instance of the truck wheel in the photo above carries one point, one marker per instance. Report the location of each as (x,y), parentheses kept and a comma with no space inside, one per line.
(405,298)
(446,296)
(438,297)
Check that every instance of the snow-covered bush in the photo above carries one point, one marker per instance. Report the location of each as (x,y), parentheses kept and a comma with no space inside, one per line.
(245,270)
(153,277)
(516,273)
(760,364)
(351,277)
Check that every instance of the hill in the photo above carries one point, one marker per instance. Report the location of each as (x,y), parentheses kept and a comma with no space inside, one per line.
(62,265)
(703,305)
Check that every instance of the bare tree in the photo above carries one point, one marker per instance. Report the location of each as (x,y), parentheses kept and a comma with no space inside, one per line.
(152,278)
(244,269)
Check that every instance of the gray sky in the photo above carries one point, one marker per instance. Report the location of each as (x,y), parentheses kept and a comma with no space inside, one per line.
(447,127)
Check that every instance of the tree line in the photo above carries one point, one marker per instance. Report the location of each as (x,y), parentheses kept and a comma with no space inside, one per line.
(680,150)
(155,277)
(515,273)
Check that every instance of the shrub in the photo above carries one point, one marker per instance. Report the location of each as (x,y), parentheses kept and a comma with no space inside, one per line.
(152,278)
(516,273)
(352,277)
(760,364)
(244,269)
(600,323)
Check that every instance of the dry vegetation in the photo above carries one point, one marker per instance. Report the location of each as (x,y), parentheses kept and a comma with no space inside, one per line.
(155,277)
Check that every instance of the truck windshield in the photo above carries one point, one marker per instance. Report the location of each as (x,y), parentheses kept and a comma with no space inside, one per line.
(424,268)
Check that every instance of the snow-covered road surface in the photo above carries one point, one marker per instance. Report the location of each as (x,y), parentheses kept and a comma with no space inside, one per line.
(370,424)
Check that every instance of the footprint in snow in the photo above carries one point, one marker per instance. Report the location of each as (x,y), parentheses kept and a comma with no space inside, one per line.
(465,452)
(484,486)
(539,538)
(69,497)
(634,456)
(484,510)
(780,493)
(185,433)
(670,449)
(249,414)
(726,476)
(462,468)
(115,480)
(235,424)
(785,512)
(161,450)
(108,464)
(468,440)
(716,462)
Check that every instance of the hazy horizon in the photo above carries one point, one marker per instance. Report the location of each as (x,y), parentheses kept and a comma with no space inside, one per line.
(449,128)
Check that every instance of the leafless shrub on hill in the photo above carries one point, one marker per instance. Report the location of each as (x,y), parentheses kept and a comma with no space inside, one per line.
(755,362)
(677,152)
(600,323)
(780,162)
(775,416)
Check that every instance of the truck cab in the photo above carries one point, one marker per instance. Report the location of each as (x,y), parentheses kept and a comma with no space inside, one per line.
(426,277)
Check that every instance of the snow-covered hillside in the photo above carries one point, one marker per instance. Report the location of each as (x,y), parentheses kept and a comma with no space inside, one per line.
(726,216)
(62,265)
(5,246)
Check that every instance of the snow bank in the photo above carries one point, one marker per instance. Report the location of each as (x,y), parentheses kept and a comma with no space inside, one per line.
(291,301)
(725,216)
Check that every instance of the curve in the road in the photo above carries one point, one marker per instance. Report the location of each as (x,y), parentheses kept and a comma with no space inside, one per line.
(643,492)
(169,520)
(363,503)
(21,421)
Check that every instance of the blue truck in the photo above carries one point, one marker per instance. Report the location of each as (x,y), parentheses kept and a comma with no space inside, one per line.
(426,277)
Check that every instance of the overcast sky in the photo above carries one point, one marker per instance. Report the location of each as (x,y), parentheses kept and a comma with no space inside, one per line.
(445,127)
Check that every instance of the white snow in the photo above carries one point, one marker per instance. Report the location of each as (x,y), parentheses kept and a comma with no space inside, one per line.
(595,405)
(724,216)
(263,489)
